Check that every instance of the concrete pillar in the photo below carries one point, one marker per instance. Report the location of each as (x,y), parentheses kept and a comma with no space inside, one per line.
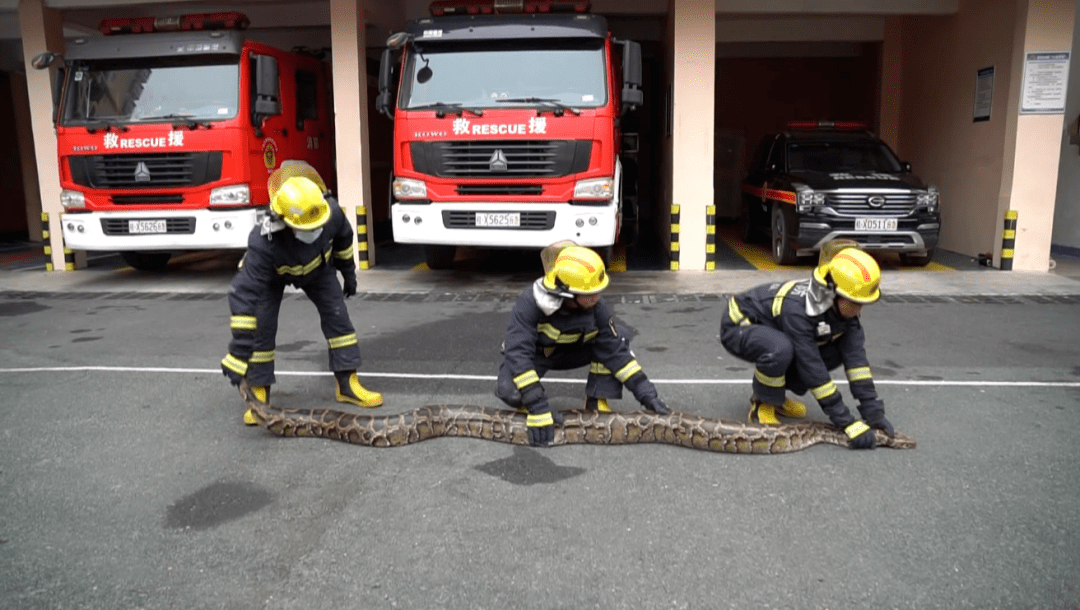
(351,121)
(692,38)
(891,86)
(42,30)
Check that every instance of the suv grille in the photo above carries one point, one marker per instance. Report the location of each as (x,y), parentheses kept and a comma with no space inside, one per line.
(858,204)
(146,170)
(501,158)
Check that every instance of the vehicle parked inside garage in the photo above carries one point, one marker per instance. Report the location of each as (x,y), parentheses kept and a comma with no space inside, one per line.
(818,181)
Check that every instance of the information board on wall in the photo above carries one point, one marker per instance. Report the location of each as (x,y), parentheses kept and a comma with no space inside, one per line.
(1046,76)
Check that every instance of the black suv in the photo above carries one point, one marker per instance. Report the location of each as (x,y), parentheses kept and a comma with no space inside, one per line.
(814,182)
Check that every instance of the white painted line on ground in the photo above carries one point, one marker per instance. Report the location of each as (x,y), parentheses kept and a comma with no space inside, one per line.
(743,380)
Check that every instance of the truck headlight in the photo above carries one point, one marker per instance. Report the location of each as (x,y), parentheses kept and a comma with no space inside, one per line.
(237,194)
(595,188)
(928,199)
(407,188)
(72,200)
(807,200)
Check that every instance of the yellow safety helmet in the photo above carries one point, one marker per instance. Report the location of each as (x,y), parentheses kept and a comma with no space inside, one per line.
(300,203)
(577,270)
(854,273)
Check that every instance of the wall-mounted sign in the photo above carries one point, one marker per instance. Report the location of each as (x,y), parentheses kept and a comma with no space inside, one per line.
(984,93)
(1046,75)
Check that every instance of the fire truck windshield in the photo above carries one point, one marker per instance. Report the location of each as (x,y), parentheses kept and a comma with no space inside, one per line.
(520,73)
(850,156)
(139,93)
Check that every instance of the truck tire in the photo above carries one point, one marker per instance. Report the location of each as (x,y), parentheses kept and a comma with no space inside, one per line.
(147,261)
(440,257)
(916,260)
(783,223)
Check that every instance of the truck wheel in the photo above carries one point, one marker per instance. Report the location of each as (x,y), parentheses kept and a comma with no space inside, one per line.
(606,253)
(147,261)
(782,225)
(440,257)
(916,260)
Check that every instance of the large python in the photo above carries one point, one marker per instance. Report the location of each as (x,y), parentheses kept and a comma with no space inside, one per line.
(579,427)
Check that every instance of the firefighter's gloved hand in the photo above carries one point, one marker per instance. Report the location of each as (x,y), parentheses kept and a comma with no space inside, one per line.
(350,286)
(873,413)
(656,405)
(541,419)
(234,377)
(860,435)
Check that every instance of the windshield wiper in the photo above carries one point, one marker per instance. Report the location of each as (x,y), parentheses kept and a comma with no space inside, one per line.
(557,107)
(106,125)
(442,109)
(179,120)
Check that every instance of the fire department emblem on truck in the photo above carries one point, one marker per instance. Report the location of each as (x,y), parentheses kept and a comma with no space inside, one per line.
(464,127)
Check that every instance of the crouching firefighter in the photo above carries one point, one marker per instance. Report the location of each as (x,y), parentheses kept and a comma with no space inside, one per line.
(561,322)
(796,332)
(304,242)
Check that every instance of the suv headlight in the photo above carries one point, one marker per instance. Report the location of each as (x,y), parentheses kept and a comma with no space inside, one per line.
(599,189)
(807,200)
(928,199)
(406,188)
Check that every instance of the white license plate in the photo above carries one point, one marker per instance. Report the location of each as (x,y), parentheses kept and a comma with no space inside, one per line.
(504,219)
(875,224)
(146,226)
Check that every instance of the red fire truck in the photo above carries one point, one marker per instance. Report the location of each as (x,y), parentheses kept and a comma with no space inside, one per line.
(506,126)
(168,128)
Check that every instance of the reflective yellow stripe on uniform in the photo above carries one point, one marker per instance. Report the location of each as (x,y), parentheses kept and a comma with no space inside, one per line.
(824,390)
(568,338)
(344,255)
(539,421)
(736,314)
(342,341)
(548,331)
(628,371)
(299,270)
(526,378)
(242,323)
(859,373)
(262,357)
(772,382)
(591,334)
(598,368)
(234,364)
(856,429)
(778,300)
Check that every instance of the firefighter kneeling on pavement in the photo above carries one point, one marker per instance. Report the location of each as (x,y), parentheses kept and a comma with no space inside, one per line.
(561,322)
(796,332)
(304,242)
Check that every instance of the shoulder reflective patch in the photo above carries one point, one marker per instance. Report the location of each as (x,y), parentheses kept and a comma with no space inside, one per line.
(778,300)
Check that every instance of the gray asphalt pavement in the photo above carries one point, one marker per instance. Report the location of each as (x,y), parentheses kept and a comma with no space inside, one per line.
(127,479)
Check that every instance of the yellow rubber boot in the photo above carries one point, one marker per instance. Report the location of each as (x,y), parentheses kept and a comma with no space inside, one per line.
(260,393)
(792,408)
(761,413)
(597,404)
(350,390)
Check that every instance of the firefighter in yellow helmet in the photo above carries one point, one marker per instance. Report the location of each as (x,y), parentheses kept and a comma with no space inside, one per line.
(562,322)
(796,332)
(305,241)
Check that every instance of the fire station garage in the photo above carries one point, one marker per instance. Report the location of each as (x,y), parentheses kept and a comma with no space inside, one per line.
(975,97)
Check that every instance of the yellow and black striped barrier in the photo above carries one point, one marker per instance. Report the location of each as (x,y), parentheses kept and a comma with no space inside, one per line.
(710,238)
(1008,240)
(675,236)
(362,237)
(45,239)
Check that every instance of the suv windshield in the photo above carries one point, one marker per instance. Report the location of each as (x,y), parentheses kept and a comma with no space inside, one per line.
(852,156)
(570,73)
(135,92)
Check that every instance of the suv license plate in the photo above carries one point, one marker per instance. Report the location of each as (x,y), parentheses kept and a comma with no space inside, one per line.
(875,224)
(504,219)
(146,226)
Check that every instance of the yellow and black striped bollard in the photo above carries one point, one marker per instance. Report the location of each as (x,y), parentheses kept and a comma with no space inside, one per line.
(45,239)
(710,238)
(362,237)
(675,236)
(1008,240)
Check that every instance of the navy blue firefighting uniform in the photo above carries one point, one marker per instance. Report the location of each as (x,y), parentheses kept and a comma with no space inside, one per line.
(276,260)
(566,339)
(770,326)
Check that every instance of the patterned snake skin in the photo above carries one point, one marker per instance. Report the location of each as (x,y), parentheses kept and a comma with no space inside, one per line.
(580,427)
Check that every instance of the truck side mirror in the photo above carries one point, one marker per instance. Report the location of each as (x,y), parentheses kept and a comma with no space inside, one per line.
(383,102)
(267,98)
(632,96)
(46,60)
(905,167)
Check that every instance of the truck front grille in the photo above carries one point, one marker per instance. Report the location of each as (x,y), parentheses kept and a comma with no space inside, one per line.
(530,221)
(501,158)
(146,170)
(858,204)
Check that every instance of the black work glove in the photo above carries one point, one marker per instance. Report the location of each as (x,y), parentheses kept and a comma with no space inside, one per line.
(234,377)
(860,435)
(541,419)
(656,405)
(874,415)
(350,285)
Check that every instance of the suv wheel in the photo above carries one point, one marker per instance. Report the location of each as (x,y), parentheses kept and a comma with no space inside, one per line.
(440,257)
(782,226)
(916,260)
